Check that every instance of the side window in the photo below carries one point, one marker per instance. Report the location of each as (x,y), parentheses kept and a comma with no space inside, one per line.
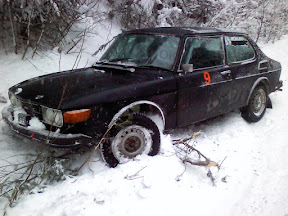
(238,49)
(203,52)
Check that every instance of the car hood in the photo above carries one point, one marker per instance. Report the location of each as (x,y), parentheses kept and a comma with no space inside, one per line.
(89,86)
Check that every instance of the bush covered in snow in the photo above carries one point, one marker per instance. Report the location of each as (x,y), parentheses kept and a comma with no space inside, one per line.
(43,24)
(36,23)
(264,19)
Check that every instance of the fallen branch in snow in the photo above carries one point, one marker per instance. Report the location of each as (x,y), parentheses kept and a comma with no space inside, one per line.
(29,172)
(93,150)
(202,159)
(189,148)
(222,162)
(202,163)
(187,139)
(40,169)
(135,176)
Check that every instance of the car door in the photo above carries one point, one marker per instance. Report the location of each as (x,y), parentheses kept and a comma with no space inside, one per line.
(204,91)
(242,62)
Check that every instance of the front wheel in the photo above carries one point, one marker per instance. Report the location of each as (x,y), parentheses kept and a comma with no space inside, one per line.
(257,104)
(141,136)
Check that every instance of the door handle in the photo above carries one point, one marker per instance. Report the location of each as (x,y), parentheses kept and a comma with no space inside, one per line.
(226,73)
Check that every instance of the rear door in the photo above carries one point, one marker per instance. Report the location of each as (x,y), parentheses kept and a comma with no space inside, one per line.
(242,62)
(204,92)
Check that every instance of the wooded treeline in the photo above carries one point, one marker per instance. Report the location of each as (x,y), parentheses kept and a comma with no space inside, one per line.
(261,19)
(43,24)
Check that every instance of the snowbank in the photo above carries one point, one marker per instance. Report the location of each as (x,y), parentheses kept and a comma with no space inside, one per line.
(252,179)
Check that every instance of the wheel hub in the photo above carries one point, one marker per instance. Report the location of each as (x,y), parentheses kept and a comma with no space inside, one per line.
(131,142)
(259,102)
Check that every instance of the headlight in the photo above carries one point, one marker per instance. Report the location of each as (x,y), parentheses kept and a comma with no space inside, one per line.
(14,101)
(52,116)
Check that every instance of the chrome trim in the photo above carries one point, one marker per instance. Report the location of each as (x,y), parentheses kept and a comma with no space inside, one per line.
(258,74)
(226,72)
(262,62)
(54,123)
(204,85)
(44,136)
(205,36)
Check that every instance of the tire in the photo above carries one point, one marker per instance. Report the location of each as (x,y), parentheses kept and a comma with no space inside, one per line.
(257,104)
(141,136)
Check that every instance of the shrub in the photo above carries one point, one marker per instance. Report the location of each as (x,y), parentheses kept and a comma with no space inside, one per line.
(37,24)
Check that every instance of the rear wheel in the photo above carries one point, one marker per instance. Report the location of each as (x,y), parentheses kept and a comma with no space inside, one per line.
(141,136)
(257,104)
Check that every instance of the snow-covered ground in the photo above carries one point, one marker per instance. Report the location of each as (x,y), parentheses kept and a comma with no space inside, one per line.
(252,179)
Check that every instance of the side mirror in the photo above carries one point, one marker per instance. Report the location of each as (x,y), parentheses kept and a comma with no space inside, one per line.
(187,67)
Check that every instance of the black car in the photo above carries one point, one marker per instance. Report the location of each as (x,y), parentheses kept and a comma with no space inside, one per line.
(180,75)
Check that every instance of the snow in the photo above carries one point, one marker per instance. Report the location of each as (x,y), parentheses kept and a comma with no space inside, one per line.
(147,6)
(36,124)
(18,91)
(55,6)
(252,179)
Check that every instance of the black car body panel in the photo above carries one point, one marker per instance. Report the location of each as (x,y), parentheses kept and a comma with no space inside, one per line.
(180,97)
(90,86)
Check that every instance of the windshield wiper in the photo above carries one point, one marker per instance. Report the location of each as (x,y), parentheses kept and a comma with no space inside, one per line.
(153,67)
(106,61)
(119,59)
(111,62)
(114,66)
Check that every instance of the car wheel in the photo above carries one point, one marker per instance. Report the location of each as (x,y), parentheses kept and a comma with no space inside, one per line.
(141,136)
(256,107)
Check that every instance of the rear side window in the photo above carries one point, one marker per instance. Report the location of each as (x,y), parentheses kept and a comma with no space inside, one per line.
(203,52)
(238,49)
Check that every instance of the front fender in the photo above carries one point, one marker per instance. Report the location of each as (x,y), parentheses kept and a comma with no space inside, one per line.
(144,102)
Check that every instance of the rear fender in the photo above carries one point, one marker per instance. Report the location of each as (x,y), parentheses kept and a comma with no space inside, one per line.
(262,80)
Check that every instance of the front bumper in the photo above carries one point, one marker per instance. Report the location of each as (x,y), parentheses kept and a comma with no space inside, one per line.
(47,137)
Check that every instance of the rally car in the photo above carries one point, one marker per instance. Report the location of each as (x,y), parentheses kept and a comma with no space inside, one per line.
(178,75)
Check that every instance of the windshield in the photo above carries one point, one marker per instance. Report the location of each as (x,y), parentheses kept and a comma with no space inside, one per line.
(143,50)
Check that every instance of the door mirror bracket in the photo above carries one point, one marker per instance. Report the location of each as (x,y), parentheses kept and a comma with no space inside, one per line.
(187,67)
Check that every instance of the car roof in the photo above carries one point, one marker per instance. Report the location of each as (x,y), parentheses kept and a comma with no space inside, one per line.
(181,31)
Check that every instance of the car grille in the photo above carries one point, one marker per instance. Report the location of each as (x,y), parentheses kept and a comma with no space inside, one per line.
(32,109)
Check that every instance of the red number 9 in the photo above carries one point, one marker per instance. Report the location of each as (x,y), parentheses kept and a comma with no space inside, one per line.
(207,78)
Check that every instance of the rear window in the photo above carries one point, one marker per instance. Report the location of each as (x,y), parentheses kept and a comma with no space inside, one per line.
(238,49)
